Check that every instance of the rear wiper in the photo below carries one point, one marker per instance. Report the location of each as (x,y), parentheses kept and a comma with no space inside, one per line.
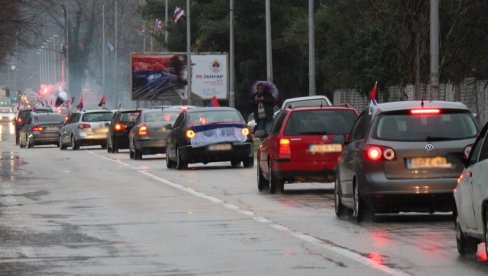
(438,138)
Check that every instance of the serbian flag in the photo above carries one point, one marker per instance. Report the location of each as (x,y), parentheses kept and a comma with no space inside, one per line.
(61,98)
(80,104)
(214,102)
(103,101)
(372,97)
(179,12)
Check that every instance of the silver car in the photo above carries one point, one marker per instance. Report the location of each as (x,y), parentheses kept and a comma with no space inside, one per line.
(83,128)
(404,157)
(471,196)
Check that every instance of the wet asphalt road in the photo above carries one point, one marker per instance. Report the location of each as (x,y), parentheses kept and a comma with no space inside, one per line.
(92,213)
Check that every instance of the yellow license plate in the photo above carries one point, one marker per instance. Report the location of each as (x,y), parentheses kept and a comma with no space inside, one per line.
(428,163)
(220,147)
(325,148)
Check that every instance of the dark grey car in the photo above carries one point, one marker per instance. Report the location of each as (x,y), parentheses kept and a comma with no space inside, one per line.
(403,157)
(40,129)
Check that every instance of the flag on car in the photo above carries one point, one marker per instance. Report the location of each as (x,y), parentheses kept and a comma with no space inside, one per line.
(103,101)
(80,104)
(214,102)
(73,99)
(372,97)
(179,12)
(61,98)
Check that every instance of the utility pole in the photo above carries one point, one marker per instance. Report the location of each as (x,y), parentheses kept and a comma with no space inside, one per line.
(311,49)
(434,49)
(166,24)
(231,54)
(103,49)
(116,46)
(188,52)
(269,54)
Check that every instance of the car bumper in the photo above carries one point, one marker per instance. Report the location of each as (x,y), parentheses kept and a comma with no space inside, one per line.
(122,141)
(305,172)
(93,136)
(150,146)
(46,138)
(239,151)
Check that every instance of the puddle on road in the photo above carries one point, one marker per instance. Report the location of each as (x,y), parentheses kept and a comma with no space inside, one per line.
(9,164)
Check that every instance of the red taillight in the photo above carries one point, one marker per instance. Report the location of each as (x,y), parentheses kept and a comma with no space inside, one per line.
(83,126)
(66,118)
(19,121)
(425,111)
(143,130)
(119,127)
(284,149)
(375,153)
(37,128)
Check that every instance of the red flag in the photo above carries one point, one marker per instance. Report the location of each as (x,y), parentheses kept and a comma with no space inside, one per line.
(80,104)
(179,12)
(103,101)
(214,102)
(73,99)
(372,93)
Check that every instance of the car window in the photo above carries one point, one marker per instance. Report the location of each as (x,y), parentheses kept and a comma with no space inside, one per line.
(403,126)
(5,110)
(75,117)
(180,120)
(307,102)
(97,117)
(214,116)
(324,121)
(359,128)
(129,117)
(480,149)
(277,123)
(161,116)
(48,118)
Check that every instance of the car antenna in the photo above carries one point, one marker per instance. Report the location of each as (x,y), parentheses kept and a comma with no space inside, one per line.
(422,102)
(321,100)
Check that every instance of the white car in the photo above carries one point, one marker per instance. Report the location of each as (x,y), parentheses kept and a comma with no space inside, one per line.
(471,197)
(318,100)
(7,114)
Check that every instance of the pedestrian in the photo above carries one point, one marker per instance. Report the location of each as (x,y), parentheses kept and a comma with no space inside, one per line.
(263,103)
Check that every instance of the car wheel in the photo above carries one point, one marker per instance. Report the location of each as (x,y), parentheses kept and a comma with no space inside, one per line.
(248,163)
(17,139)
(137,154)
(103,145)
(260,179)
(339,208)
(21,145)
(115,147)
(29,144)
(235,163)
(180,164)
(170,164)
(61,145)
(109,146)
(465,245)
(358,210)
(74,144)
(274,183)
(486,232)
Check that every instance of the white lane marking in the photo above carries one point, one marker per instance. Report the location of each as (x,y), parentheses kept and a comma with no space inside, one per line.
(279,227)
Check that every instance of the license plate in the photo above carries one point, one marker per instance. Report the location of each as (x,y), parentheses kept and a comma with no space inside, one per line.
(327,148)
(101,130)
(51,129)
(428,163)
(220,147)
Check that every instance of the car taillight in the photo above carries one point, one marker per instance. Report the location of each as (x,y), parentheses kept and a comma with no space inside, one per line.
(19,121)
(375,153)
(37,128)
(245,131)
(190,134)
(83,126)
(119,127)
(143,130)
(284,149)
(425,111)
(467,150)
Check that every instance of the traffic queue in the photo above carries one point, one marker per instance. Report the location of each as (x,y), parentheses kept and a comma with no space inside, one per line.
(407,156)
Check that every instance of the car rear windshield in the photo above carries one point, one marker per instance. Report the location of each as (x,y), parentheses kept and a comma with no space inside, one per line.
(447,125)
(49,118)
(320,122)
(306,102)
(129,117)
(5,110)
(97,117)
(161,116)
(215,116)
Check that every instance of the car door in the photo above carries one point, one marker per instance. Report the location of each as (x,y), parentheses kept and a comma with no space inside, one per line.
(269,145)
(479,190)
(175,134)
(67,129)
(24,131)
(351,157)
(471,183)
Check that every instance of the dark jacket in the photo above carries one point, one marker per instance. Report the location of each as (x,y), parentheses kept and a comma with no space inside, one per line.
(268,103)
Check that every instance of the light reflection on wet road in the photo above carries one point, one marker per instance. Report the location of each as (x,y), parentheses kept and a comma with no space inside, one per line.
(65,212)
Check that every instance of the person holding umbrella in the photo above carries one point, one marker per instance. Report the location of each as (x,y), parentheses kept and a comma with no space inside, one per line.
(262,104)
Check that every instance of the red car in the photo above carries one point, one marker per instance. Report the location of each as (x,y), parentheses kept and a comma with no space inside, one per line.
(303,145)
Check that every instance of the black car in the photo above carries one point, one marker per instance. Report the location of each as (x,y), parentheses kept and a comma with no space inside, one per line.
(40,129)
(209,134)
(22,116)
(120,126)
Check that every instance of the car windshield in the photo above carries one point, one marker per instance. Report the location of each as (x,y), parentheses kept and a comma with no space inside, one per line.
(49,118)
(448,125)
(320,122)
(5,110)
(161,116)
(129,117)
(215,116)
(306,102)
(97,117)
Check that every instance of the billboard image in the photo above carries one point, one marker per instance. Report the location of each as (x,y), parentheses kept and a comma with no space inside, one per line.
(163,76)
(158,76)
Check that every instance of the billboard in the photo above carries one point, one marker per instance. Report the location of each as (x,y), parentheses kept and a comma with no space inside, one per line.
(158,76)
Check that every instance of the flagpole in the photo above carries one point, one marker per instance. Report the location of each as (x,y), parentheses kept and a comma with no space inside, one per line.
(231,50)
(311,49)
(188,53)
(103,49)
(269,54)
(115,58)
(166,23)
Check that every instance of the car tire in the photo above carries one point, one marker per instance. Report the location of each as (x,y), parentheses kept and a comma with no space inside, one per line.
(17,139)
(260,179)
(74,144)
(358,205)
(109,146)
(29,144)
(249,162)
(235,163)
(61,145)
(180,164)
(486,232)
(21,145)
(465,245)
(340,209)
(115,147)
(103,145)
(137,154)
(275,184)
(170,164)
